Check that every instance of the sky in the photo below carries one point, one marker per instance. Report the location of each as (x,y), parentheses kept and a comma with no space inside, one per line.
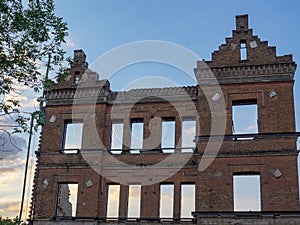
(98,26)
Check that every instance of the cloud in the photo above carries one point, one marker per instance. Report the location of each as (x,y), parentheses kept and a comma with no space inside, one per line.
(71,41)
(135,191)
(9,208)
(11,180)
(26,97)
(252,127)
(10,145)
(11,166)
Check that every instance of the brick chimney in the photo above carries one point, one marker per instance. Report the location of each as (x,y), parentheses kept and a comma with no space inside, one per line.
(79,65)
(241,22)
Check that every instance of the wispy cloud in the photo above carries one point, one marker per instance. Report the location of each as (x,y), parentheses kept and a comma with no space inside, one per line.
(71,41)
(11,180)
(10,145)
(9,208)
(251,128)
(12,172)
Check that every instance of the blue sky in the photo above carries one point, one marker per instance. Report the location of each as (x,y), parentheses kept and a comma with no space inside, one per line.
(97,26)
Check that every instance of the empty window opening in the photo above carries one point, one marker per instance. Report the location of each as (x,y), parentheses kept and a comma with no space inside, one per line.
(187,200)
(168,135)
(243,50)
(134,201)
(188,133)
(113,198)
(77,77)
(137,136)
(166,200)
(246,193)
(67,200)
(72,138)
(244,117)
(116,144)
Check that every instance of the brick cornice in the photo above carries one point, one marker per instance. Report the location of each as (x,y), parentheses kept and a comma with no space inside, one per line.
(245,73)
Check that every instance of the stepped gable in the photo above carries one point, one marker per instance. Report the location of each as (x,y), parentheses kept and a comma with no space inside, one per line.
(245,58)
(82,84)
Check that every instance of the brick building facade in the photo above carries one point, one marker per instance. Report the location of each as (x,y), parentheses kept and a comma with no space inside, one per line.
(103,158)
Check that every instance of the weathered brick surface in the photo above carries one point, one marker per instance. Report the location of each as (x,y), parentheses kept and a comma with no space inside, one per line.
(97,106)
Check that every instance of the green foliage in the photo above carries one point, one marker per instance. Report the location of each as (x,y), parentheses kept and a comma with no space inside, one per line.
(28,35)
(8,221)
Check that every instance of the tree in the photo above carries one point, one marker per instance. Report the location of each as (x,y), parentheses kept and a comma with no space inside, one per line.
(30,34)
(8,221)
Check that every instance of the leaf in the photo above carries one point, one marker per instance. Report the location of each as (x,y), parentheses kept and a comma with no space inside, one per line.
(27,37)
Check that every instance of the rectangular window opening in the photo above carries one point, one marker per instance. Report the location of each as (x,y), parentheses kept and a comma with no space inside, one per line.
(246,193)
(116,138)
(243,50)
(113,198)
(168,135)
(166,201)
(66,200)
(188,133)
(187,200)
(137,136)
(244,118)
(134,201)
(72,137)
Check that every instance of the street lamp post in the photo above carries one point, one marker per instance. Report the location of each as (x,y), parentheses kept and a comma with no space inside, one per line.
(40,115)
(26,165)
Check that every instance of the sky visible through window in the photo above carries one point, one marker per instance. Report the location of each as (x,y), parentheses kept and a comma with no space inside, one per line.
(73,138)
(73,197)
(113,201)
(243,50)
(136,140)
(246,191)
(166,200)
(117,137)
(188,198)
(168,136)
(187,135)
(67,200)
(244,119)
(134,201)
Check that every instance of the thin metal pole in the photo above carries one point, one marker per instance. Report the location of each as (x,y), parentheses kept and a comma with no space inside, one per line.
(30,136)
(26,167)
(47,75)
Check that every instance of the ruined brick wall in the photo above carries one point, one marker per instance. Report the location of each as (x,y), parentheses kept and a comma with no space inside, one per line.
(272,148)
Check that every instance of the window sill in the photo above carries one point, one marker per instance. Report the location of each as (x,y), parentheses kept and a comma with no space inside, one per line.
(69,151)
